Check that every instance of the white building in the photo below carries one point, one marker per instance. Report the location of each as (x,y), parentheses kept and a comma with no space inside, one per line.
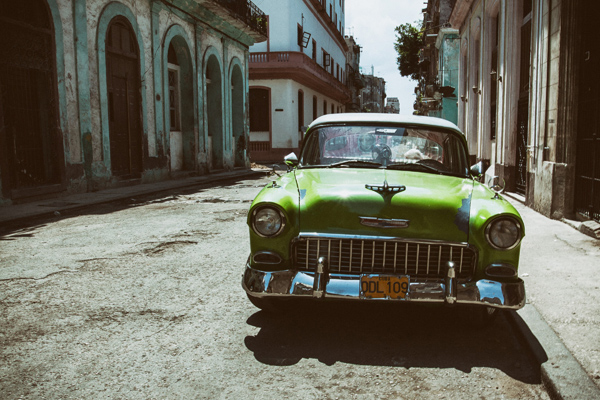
(298,74)
(393,105)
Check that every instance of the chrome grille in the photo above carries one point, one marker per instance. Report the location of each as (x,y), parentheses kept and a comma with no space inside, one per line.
(384,256)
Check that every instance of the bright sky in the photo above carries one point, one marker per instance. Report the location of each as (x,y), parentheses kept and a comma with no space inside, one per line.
(372,24)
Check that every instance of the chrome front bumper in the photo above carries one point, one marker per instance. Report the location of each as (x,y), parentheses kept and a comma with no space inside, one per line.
(290,283)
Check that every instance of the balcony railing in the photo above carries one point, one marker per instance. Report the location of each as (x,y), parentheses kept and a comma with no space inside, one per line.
(247,12)
(296,60)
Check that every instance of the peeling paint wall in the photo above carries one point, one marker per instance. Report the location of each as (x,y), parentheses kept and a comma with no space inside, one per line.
(81,28)
(72,139)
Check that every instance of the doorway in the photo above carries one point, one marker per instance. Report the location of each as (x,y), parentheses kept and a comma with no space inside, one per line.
(31,149)
(123,86)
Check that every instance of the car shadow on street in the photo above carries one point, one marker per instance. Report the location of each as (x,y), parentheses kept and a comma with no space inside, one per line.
(395,335)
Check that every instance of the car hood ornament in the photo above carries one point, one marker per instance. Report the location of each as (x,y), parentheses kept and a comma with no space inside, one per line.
(385,188)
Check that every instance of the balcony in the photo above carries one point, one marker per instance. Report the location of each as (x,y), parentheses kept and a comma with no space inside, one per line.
(320,6)
(300,68)
(247,16)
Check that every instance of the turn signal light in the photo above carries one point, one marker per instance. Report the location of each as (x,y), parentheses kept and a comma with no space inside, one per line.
(501,270)
(266,257)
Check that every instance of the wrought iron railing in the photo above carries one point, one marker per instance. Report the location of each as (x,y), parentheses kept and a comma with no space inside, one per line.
(260,146)
(247,12)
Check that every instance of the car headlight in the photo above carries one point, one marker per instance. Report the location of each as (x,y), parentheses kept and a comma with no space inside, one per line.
(504,233)
(267,221)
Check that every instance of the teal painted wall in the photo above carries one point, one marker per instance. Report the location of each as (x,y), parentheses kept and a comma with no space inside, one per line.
(80,31)
(449,74)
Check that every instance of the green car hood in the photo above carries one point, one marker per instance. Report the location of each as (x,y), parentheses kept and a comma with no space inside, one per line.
(333,201)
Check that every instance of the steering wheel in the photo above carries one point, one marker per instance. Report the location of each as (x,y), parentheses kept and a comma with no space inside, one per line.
(381,153)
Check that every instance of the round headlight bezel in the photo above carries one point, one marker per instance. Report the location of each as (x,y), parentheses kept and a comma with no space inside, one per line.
(492,225)
(277,212)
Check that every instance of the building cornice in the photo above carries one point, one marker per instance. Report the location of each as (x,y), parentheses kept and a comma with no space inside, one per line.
(459,12)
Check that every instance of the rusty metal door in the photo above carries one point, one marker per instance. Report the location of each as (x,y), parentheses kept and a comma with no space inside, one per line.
(31,142)
(122,69)
(587,181)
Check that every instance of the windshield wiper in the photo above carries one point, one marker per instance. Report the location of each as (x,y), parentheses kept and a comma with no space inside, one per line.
(409,166)
(348,162)
(412,166)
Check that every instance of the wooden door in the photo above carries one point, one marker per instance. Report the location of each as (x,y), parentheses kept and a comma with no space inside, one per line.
(122,69)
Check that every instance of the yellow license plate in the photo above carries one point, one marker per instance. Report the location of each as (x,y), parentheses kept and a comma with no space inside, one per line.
(384,286)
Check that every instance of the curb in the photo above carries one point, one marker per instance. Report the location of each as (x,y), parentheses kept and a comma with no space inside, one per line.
(19,213)
(562,375)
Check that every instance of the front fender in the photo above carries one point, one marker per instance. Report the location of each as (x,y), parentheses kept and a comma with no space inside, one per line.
(485,207)
(282,194)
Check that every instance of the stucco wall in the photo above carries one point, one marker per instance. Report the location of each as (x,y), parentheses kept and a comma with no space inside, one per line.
(284,18)
(549,191)
(284,96)
(72,138)
(80,33)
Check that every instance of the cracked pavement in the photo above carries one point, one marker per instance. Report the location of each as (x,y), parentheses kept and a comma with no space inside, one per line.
(142,299)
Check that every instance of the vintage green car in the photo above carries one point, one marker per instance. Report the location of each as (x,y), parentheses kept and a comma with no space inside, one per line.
(384,207)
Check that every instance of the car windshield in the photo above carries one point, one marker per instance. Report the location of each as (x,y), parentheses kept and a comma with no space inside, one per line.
(416,148)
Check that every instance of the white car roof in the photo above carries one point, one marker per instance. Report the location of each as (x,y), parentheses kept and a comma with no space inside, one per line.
(384,118)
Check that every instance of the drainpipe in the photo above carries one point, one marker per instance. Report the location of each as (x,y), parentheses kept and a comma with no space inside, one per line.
(547,124)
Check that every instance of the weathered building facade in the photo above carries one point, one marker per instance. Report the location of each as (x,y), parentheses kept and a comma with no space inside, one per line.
(392,105)
(372,96)
(98,93)
(528,100)
(436,90)
(297,75)
(354,79)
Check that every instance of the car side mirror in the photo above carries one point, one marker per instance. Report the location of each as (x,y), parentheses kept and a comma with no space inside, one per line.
(291,160)
(477,170)
(495,185)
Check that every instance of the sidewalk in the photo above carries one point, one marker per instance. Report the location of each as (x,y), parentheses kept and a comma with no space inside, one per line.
(561,321)
(559,264)
(44,208)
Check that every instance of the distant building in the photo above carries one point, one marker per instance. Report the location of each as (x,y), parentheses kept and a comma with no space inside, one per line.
(438,86)
(354,79)
(393,105)
(372,97)
(297,75)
